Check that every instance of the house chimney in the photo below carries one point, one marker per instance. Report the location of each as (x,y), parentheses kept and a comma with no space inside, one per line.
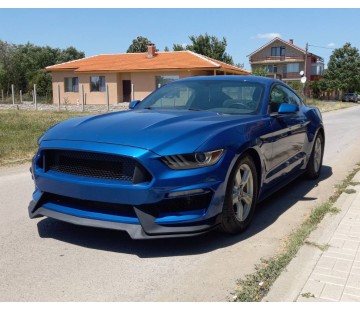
(151,50)
(291,41)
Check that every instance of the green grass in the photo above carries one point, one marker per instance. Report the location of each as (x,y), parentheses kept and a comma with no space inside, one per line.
(255,286)
(20,130)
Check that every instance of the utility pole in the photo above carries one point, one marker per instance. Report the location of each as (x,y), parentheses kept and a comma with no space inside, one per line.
(305,71)
(306,53)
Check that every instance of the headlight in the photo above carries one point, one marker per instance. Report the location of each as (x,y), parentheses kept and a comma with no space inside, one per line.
(192,161)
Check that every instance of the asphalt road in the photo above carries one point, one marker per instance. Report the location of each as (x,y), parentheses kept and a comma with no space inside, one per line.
(47,260)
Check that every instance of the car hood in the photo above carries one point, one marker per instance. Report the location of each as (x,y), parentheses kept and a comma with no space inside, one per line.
(161,131)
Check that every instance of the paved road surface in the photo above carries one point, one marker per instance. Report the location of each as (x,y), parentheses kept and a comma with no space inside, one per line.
(47,260)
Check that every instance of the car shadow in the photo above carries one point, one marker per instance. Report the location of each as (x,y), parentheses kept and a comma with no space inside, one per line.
(267,213)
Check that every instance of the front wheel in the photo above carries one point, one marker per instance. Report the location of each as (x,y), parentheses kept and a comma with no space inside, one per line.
(314,165)
(240,198)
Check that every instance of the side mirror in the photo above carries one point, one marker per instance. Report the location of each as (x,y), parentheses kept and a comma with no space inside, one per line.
(286,108)
(133,104)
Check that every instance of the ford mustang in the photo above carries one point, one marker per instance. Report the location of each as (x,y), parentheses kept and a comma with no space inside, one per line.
(196,154)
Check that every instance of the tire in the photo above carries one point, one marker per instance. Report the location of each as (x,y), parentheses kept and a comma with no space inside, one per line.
(314,165)
(240,198)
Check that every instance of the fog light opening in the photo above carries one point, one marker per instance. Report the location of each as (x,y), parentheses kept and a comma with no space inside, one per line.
(186,193)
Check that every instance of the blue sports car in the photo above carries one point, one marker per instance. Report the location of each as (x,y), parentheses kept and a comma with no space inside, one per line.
(194,155)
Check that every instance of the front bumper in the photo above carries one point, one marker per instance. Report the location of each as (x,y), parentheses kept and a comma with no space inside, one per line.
(148,229)
(174,203)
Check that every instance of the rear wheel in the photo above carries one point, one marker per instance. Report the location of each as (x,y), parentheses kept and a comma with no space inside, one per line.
(240,199)
(314,165)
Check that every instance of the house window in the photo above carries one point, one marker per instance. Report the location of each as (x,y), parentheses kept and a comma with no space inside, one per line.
(317,69)
(278,51)
(161,80)
(293,68)
(97,83)
(71,85)
(271,68)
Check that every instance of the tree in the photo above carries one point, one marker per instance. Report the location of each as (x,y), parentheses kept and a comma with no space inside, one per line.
(7,72)
(70,53)
(297,86)
(139,45)
(315,89)
(260,71)
(178,47)
(343,72)
(23,64)
(209,46)
(43,82)
(240,65)
(318,88)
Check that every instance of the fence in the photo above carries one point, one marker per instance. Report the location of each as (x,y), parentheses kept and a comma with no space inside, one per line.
(18,97)
(32,101)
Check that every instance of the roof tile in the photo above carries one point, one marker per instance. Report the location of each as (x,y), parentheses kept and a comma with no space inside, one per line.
(140,61)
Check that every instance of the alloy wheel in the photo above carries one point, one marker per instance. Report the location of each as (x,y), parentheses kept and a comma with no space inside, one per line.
(243,192)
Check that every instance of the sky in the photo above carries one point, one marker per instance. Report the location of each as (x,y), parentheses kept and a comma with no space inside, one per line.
(111,30)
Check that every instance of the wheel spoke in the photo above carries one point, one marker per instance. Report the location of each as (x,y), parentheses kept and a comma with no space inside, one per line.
(245,177)
(247,198)
(239,211)
(235,197)
(238,178)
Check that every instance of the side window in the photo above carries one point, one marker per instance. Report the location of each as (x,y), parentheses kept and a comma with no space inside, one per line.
(281,94)
(277,97)
(293,98)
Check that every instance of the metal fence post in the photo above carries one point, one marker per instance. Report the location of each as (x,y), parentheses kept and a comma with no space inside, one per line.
(107,97)
(35,101)
(82,97)
(58,93)
(12,93)
(21,99)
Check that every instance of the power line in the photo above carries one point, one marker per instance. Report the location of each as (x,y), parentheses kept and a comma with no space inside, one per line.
(329,48)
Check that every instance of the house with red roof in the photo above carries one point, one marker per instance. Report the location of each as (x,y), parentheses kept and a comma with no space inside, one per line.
(126,77)
(284,60)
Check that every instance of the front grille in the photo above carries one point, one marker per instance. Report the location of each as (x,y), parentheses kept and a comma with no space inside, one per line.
(94,165)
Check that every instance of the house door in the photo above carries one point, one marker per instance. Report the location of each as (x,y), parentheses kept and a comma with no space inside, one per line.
(126,90)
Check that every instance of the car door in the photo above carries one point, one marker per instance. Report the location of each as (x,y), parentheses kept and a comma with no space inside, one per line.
(289,134)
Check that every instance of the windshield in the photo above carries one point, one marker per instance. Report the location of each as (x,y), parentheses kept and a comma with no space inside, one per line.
(229,97)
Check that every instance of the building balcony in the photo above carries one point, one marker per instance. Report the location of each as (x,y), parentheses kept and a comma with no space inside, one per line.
(276,59)
(315,77)
(292,75)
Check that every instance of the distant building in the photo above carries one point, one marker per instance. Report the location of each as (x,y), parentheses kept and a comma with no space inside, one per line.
(284,60)
(130,76)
